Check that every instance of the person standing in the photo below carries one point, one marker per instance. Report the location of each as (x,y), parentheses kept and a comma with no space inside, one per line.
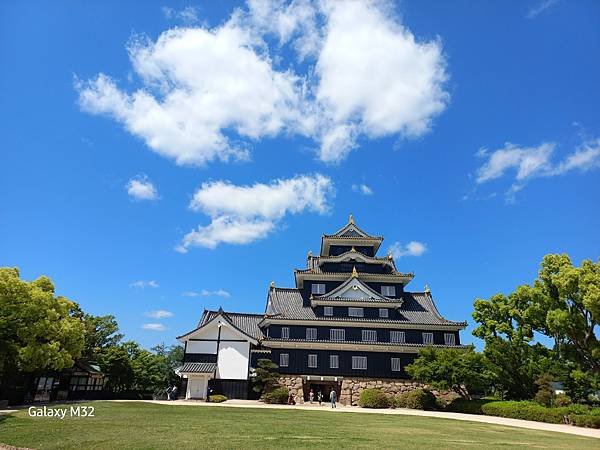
(320,397)
(311,396)
(333,398)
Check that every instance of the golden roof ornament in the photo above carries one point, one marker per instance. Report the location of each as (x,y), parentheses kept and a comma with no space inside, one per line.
(389,256)
(272,285)
(354,272)
(351,219)
(309,254)
(427,290)
(353,249)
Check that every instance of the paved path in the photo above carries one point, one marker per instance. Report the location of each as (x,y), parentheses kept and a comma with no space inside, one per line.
(570,429)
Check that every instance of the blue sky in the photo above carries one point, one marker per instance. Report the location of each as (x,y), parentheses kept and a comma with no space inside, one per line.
(222,140)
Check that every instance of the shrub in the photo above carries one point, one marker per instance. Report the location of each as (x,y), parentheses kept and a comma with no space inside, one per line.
(562,400)
(585,420)
(525,410)
(466,406)
(579,415)
(217,398)
(277,396)
(373,398)
(416,399)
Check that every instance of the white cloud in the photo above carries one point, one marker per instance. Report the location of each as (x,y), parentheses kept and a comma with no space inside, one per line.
(534,162)
(208,93)
(187,15)
(527,161)
(141,188)
(362,188)
(144,284)
(540,7)
(243,214)
(154,327)
(206,293)
(413,248)
(159,314)
(375,76)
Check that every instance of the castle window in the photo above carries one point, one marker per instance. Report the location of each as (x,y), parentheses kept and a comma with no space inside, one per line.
(285,332)
(449,339)
(355,312)
(334,362)
(369,336)
(337,334)
(383,312)
(428,338)
(284,359)
(396,366)
(317,288)
(328,311)
(311,334)
(359,362)
(388,291)
(312,361)
(397,337)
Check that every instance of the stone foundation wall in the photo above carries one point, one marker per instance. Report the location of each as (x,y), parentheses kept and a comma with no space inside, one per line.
(293,385)
(352,387)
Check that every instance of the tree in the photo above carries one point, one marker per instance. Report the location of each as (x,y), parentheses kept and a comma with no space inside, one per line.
(545,393)
(563,303)
(116,365)
(101,332)
(38,330)
(265,377)
(465,372)
(507,337)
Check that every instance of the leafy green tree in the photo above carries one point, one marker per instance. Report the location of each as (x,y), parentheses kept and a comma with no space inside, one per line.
(266,376)
(563,303)
(465,372)
(101,332)
(508,348)
(116,365)
(38,330)
(173,358)
(545,393)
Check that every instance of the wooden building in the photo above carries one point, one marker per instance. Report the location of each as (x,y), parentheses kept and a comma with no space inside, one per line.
(349,318)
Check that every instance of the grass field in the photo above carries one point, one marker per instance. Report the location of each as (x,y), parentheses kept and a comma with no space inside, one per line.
(144,425)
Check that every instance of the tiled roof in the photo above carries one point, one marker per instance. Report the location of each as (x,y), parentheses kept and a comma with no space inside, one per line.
(315,261)
(417,308)
(403,344)
(246,322)
(191,367)
(394,274)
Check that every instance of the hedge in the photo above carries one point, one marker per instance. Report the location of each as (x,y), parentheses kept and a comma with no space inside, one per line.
(579,415)
(465,406)
(416,399)
(277,396)
(217,398)
(373,398)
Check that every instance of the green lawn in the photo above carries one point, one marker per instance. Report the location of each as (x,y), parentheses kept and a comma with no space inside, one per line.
(144,425)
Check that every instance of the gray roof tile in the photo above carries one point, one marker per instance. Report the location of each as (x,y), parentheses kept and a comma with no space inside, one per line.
(246,322)
(417,308)
(191,367)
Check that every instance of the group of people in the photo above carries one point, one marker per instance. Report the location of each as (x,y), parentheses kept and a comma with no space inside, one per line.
(311,397)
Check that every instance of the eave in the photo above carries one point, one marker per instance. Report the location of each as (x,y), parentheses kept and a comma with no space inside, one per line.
(363,323)
(353,346)
(370,241)
(396,277)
